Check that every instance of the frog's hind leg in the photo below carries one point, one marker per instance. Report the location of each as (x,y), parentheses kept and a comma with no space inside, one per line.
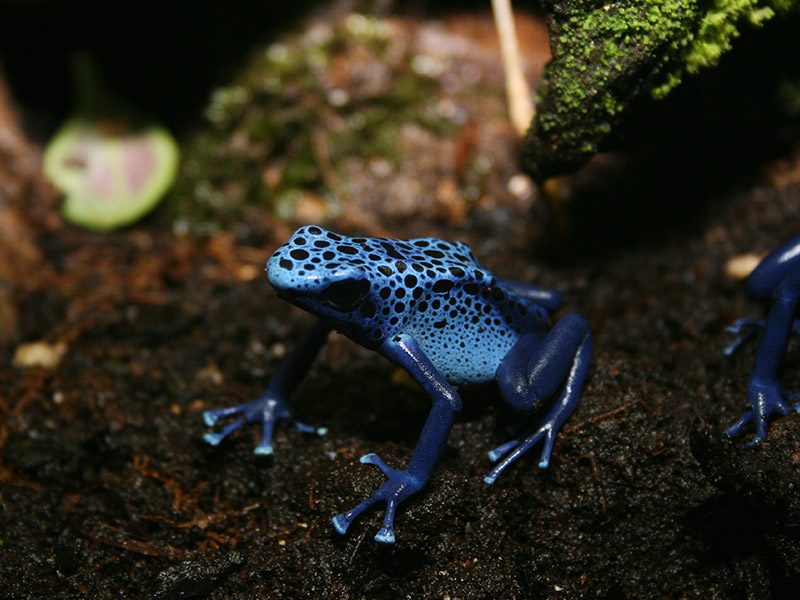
(548,298)
(538,368)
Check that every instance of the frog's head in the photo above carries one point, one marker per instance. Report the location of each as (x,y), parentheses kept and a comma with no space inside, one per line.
(324,273)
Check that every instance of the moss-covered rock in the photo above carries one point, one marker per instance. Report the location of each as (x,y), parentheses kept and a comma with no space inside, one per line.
(608,57)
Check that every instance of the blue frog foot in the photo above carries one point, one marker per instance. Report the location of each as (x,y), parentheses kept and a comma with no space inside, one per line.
(399,486)
(265,409)
(745,329)
(767,401)
(512,450)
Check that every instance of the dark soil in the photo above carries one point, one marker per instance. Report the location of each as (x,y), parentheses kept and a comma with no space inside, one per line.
(108,490)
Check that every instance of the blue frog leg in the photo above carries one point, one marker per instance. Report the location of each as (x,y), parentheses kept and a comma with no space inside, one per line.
(765,278)
(404,351)
(273,405)
(537,368)
(548,298)
(761,285)
(781,269)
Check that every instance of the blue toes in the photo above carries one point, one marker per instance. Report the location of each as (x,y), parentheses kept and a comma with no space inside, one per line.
(267,410)
(385,536)
(374,459)
(767,401)
(399,486)
(754,442)
(340,523)
(511,451)
(747,328)
(212,438)
(263,450)
(498,452)
(306,428)
(547,450)
(737,427)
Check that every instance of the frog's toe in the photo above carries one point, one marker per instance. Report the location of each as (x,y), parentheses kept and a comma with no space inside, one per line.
(385,535)
(210,417)
(739,425)
(740,325)
(399,486)
(263,449)
(497,453)
(306,428)
(342,521)
(547,449)
(374,459)
(511,451)
(215,438)
(745,328)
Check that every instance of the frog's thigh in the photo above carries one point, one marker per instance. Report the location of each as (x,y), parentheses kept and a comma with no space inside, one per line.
(539,364)
(764,279)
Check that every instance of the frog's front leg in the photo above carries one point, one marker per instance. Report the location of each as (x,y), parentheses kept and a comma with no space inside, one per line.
(273,405)
(537,368)
(764,394)
(404,351)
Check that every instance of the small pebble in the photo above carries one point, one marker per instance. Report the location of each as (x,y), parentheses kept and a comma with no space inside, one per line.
(39,354)
(741,266)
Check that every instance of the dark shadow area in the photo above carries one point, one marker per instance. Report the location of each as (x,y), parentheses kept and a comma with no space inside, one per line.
(734,534)
(162,57)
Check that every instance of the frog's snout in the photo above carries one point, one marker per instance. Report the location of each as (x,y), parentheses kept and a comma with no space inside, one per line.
(282,272)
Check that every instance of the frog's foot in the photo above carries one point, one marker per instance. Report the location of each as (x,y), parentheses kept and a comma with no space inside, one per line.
(512,450)
(745,329)
(399,486)
(767,401)
(265,409)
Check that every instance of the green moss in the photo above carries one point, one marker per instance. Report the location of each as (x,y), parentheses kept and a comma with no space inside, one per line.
(608,57)
(718,28)
(296,105)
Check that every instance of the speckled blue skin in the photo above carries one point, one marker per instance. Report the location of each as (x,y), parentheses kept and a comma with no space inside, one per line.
(777,277)
(430,307)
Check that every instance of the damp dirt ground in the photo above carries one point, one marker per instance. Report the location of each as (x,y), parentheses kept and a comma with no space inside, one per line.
(107,488)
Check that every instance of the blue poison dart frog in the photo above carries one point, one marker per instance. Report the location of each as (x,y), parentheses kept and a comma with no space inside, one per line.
(431,308)
(777,277)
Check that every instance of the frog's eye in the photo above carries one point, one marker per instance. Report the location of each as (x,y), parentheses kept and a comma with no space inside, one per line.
(345,294)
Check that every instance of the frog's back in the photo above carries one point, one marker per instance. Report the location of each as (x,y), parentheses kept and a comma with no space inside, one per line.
(467,320)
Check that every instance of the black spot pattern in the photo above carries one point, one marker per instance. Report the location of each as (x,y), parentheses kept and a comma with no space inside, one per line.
(464,320)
